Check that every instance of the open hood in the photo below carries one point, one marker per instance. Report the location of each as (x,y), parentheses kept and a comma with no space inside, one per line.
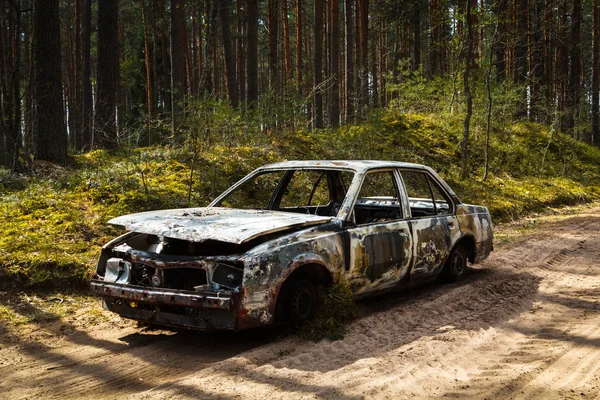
(215,223)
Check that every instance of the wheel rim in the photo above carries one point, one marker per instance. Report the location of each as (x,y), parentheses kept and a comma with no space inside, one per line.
(458,264)
(302,303)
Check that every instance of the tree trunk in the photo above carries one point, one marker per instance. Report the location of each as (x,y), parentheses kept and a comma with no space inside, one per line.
(287,53)
(252,56)
(435,46)
(78,90)
(318,70)
(105,123)
(595,138)
(562,63)
(500,47)
(363,12)
(334,64)
(548,53)
(273,24)
(15,143)
(241,59)
(149,98)
(467,89)
(87,100)
(178,76)
(225,8)
(349,67)
(416,26)
(299,45)
(574,91)
(51,140)
(4,97)
(69,71)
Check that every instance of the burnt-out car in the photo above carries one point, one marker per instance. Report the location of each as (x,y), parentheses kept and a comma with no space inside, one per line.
(258,253)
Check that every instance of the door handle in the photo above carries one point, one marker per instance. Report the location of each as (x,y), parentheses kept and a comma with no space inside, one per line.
(451,224)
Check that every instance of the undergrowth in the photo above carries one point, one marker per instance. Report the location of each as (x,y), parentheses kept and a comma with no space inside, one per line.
(53,224)
(336,309)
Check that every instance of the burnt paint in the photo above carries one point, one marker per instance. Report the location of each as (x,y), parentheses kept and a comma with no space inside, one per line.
(384,251)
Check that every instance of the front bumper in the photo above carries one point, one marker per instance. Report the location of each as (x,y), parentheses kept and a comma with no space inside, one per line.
(177,308)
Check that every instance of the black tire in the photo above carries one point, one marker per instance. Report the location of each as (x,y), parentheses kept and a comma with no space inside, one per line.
(456,265)
(300,302)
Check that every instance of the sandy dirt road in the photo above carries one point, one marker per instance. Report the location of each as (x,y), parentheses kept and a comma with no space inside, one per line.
(524,324)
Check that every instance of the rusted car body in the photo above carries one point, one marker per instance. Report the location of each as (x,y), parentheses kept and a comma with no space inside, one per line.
(258,251)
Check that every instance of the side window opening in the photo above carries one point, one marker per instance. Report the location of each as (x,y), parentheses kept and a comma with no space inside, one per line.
(378,199)
(442,203)
(424,195)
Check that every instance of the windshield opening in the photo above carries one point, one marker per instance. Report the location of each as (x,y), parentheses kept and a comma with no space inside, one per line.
(306,191)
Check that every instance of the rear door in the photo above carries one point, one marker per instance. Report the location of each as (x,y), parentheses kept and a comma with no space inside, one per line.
(379,235)
(434,225)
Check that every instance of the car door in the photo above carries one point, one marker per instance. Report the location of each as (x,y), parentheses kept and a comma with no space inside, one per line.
(379,237)
(434,225)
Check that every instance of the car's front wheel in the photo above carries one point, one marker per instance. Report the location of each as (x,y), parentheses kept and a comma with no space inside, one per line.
(301,302)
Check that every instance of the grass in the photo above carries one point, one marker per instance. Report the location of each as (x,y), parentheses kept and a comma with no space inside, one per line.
(54,224)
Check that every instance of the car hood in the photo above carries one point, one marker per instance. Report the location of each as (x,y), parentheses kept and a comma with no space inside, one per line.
(215,223)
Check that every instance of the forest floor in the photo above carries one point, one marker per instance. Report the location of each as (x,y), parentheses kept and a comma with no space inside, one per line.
(523,324)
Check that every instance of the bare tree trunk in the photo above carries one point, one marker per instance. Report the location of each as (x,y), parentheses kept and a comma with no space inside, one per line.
(69,71)
(562,63)
(252,56)
(78,89)
(416,26)
(318,70)
(488,86)
(178,76)
(241,59)
(363,12)
(334,65)
(88,100)
(15,145)
(299,59)
(51,140)
(574,91)
(500,48)
(467,89)
(105,122)
(349,67)
(225,8)
(595,138)
(149,98)
(287,53)
(273,24)
(548,54)
(435,46)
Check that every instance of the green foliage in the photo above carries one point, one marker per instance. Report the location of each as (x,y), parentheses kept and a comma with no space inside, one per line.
(336,309)
(54,223)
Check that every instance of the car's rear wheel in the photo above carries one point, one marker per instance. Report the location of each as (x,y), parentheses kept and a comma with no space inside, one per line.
(301,302)
(456,266)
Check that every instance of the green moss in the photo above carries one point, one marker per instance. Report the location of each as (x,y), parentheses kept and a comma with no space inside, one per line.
(53,226)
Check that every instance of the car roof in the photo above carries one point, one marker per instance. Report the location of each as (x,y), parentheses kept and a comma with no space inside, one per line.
(355,165)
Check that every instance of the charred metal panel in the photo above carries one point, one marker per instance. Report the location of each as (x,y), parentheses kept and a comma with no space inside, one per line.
(162,296)
(270,263)
(215,223)
(433,241)
(187,317)
(384,251)
(476,222)
(380,256)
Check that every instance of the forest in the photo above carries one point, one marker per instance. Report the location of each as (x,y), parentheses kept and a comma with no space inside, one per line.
(119,106)
(78,75)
